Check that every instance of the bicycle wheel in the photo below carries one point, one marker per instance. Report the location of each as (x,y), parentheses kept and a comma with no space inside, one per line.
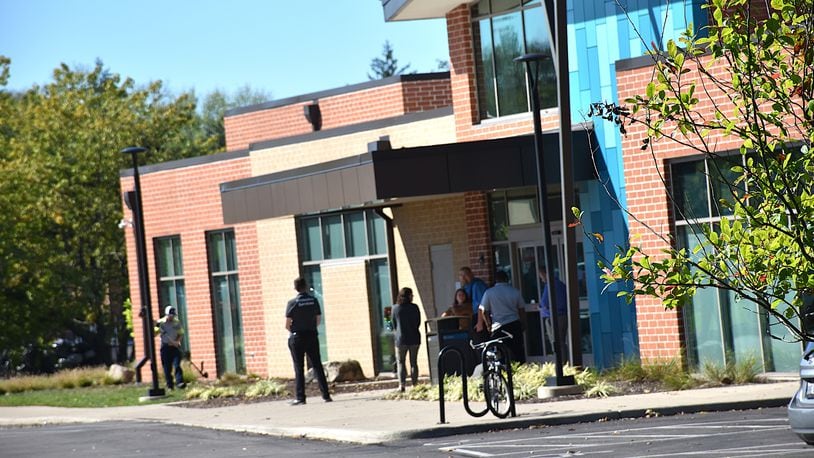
(496,391)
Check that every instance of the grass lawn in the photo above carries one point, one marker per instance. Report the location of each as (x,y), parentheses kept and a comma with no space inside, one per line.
(97,396)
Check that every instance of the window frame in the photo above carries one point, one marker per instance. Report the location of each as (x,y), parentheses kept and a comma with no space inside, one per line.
(476,17)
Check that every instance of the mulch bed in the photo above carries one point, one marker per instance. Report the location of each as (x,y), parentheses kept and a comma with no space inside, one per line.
(312,392)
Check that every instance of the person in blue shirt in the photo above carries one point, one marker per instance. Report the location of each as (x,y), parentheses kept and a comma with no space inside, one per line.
(561,299)
(474,287)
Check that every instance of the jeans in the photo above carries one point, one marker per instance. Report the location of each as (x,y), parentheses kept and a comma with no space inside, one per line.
(302,343)
(171,359)
(401,353)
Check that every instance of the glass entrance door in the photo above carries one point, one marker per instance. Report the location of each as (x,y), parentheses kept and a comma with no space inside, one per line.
(528,256)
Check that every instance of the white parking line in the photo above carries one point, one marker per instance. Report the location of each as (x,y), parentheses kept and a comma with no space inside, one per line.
(604,442)
(763,450)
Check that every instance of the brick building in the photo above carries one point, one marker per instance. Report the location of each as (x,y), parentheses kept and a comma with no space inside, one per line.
(399,182)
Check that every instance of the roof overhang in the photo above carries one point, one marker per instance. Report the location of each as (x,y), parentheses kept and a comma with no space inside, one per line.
(382,175)
(409,10)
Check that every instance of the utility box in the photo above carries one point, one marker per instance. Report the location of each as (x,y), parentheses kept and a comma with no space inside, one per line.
(444,332)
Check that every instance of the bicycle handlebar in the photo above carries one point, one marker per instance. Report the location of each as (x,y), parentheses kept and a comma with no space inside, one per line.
(506,335)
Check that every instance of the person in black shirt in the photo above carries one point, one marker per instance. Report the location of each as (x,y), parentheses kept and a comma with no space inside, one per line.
(302,318)
(406,321)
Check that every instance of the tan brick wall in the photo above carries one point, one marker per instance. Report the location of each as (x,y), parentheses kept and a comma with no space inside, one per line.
(279,266)
(339,110)
(286,157)
(347,313)
(277,242)
(418,226)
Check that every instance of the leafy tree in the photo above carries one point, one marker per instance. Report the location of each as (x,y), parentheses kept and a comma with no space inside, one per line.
(386,65)
(755,72)
(217,102)
(61,253)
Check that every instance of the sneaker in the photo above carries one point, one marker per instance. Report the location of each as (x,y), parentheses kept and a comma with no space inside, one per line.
(297,402)
(328,399)
(181,385)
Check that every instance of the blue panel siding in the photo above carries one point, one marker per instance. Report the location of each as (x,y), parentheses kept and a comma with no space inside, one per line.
(582,58)
(602,51)
(590,35)
(579,11)
(597,225)
(573,57)
(599,34)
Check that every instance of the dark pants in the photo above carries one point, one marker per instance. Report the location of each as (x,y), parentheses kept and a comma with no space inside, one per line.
(171,359)
(303,343)
(516,344)
(401,353)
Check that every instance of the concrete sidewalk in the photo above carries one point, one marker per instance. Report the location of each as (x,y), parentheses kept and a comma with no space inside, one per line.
(366,418)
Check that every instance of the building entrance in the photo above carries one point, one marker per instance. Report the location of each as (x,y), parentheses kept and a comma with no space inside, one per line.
(522,258)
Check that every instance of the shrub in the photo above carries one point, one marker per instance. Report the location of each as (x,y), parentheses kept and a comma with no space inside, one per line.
(747,370)
(265,388)
(743,371)
(715,373)
(600,389)
(526,379)
(629,369)
(231,379)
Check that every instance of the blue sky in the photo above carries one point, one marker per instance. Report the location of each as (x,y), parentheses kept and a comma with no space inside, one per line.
(282,47)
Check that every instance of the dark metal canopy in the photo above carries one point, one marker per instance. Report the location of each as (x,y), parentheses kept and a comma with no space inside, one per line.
(408,172)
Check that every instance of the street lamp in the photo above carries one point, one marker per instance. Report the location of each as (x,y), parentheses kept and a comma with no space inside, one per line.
(143,274)
(533,61)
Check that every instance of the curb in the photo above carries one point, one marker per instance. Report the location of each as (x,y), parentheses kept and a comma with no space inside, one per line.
(556,420)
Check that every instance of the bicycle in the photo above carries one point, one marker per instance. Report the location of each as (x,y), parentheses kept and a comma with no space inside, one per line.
(497,379)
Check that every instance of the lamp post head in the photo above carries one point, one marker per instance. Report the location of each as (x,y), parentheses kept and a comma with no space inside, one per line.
(133,150)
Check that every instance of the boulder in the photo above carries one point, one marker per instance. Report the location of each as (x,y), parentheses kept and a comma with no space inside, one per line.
(339,371)
(120,374)
(344,371)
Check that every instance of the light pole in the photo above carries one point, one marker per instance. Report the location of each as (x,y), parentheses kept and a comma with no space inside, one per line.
(533,62)
(143,274)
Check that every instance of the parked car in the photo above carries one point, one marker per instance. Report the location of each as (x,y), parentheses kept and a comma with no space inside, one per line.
(801,406)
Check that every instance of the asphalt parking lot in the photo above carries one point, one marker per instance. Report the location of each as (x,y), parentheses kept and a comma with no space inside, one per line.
(753,433)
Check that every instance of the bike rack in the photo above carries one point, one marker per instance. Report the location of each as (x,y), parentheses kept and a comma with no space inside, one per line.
(441,372)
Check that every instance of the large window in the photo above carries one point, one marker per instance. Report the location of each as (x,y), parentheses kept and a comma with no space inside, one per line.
(222,254)
(503,30)
(719,325)
(342,235)
(356,234)
(171,290)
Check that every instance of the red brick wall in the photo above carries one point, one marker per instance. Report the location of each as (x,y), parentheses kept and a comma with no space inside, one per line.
(661,333)
(338,110)
(478,235)
(186,202)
